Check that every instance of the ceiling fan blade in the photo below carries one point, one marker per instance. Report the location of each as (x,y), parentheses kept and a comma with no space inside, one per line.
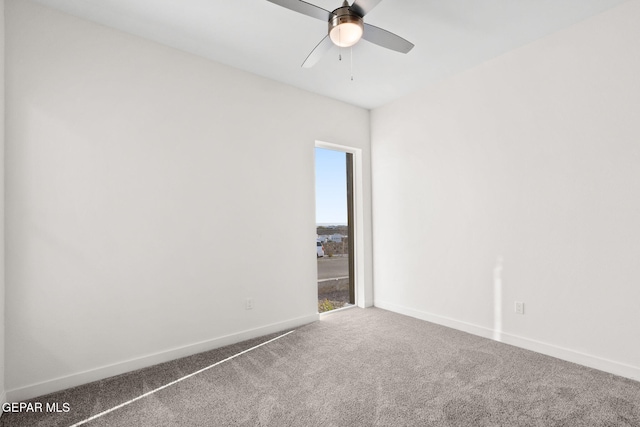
(304,8)
(386,39)
(362,7)
(318,52)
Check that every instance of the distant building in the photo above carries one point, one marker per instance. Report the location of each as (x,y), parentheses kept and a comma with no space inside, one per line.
(324,238)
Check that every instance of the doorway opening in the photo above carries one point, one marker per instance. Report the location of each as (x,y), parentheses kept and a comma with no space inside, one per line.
(335,240)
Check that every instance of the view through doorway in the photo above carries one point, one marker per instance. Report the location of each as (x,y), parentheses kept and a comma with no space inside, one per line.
(334,229)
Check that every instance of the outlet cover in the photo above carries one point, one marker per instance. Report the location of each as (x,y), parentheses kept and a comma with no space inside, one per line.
(519,307)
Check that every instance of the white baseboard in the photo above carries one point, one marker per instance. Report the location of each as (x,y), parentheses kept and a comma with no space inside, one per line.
(103,372)
(591,361)
(336,310)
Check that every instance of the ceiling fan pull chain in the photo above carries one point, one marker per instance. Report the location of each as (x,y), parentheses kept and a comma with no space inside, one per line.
(340,38)
(352,63)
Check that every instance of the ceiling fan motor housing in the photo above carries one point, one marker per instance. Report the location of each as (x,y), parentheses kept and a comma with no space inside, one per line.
(345,27)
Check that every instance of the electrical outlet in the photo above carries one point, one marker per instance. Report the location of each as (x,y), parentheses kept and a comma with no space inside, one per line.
(248,304)
(519,307)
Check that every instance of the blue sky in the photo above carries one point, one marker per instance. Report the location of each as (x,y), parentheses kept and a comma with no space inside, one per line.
(331,187)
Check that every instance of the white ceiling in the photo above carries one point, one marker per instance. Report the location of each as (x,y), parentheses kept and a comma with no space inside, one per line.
(268,40)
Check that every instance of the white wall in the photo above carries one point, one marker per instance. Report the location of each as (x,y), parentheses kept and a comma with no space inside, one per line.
(143,185)
(2,388)
(519,180)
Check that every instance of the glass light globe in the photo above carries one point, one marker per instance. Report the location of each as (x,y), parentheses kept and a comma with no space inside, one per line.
(346,34)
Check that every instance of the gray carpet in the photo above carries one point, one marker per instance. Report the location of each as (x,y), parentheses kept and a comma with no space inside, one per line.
(358,368)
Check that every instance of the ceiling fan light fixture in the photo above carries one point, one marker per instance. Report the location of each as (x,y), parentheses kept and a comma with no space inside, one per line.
(345,27)
(347,34)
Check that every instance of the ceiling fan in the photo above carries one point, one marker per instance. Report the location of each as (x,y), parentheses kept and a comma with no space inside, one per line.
(346,27)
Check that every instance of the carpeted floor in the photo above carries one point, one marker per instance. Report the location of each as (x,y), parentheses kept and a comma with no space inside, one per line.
(357,368)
